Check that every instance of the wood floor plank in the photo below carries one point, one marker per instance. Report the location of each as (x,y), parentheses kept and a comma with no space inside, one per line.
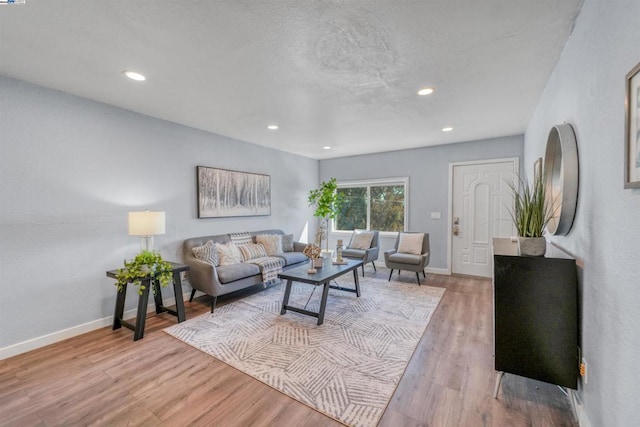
(105,378)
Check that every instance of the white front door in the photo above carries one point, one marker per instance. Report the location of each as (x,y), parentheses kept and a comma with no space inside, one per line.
(482,199)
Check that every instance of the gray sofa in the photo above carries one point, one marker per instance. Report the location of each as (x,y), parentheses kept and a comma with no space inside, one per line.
(221,280)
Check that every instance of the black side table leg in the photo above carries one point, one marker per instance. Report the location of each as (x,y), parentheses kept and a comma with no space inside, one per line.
(141,317)
(357,282)
(177,290)
(119,311)
(157,296)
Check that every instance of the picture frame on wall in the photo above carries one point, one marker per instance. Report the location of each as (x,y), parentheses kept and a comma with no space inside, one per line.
(229,193)
(632,129)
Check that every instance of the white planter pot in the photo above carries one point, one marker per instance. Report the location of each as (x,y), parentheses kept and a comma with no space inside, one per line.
(532,246)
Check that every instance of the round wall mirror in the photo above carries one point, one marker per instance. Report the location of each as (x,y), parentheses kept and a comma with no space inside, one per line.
(561,178)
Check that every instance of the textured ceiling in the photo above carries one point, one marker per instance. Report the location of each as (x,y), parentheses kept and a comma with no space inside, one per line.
(342,73)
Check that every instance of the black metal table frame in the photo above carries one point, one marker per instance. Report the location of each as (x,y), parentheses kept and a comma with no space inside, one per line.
(143,301)
(318,279)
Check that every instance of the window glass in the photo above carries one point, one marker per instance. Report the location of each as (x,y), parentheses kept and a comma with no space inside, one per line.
(353,213)
(373,205)
(387,208)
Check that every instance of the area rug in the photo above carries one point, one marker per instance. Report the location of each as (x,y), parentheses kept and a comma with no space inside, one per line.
(346,368)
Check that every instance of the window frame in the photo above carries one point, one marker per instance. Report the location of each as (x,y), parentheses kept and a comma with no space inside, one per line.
(377,182)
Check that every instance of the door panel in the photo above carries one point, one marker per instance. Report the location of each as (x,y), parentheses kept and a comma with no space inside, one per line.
(481,202)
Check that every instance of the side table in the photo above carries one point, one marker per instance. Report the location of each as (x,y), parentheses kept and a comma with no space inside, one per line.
(143,301)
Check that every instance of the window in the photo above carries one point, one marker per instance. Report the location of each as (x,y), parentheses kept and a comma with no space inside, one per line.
(373,205)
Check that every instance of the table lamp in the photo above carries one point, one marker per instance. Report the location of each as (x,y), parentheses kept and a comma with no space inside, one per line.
(146,225)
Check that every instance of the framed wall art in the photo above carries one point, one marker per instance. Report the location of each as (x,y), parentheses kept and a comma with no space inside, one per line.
(225,193)
(632,129)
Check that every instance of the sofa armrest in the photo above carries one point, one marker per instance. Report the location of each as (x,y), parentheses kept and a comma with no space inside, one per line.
(299,246)
(203,276)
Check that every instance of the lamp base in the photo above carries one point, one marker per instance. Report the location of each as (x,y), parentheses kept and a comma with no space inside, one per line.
(146,243)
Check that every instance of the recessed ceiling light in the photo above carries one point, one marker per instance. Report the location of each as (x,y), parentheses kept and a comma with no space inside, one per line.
(134,76)
(272,127)
(426,91)
(326,147)
(447,129)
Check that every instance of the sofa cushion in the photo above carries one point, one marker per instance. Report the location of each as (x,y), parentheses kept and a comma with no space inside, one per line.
(252,250)
(207,253)
(361,240)
(228,253)
(405,258)
(272,243)
(232,272)
(287,243)
(410,243)
(293,257)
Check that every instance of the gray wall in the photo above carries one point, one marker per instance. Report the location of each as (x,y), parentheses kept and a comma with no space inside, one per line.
(428,172)
(587,90)
(70,171)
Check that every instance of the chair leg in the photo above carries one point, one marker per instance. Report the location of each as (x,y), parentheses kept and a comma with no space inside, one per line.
(390,274)
(193,292)
(424,274)
(374,266)
(418,277)
(213,303)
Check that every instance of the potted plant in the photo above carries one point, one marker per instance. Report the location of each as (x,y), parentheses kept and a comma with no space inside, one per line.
(531,213)
(146,263)
(327,201)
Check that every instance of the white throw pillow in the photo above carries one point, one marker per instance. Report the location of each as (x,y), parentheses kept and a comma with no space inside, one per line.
(361,240)
(410,243)
(207,253)
(272,243)
(228,253)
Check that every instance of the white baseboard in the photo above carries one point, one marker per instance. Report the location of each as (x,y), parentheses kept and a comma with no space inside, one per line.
(442,271)
(54,337)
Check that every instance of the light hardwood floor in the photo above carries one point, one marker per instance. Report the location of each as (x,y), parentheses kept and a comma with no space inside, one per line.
(104,378)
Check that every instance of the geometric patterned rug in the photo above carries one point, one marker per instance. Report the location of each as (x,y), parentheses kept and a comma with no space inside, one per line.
(347,368)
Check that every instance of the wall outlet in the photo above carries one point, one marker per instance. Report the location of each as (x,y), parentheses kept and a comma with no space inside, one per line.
(436,215)
(583,370)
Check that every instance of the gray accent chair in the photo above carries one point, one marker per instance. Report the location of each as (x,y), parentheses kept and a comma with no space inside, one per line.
(410,262)
(365,255)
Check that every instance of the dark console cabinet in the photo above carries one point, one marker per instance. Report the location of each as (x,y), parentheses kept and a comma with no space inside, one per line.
(536,318)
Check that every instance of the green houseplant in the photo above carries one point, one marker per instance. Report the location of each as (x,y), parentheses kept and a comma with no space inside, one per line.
(327,201)
(146,263)
(531,212)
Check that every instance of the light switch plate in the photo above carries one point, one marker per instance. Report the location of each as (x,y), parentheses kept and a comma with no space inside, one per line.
(436,215)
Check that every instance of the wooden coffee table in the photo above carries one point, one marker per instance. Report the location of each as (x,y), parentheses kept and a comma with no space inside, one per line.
(324,276)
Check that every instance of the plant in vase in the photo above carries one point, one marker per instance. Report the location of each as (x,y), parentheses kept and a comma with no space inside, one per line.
(328,202)
(531,213)
(146,263)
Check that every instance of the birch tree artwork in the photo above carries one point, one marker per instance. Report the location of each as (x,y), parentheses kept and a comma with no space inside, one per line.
(223,193)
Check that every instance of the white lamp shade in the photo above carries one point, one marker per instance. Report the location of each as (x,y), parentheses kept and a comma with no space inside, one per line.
(146,223)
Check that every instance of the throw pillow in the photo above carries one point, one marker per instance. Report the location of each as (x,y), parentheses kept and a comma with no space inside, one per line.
(228,253)
(272,243)
(252,250)
(240,239)
(361,240)
(206,253)
(410,243)
(287,243)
